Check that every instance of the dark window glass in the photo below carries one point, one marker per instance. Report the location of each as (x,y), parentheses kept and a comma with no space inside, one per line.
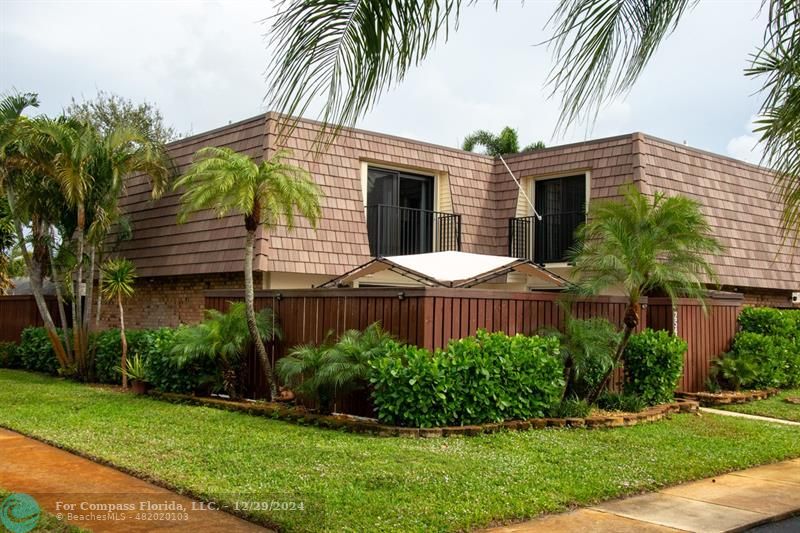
(400,217)
(562,204)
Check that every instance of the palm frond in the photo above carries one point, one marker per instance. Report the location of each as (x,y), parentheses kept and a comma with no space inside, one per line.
(642,245)
(119,277)
(348,52)
(777,62)
(601,47)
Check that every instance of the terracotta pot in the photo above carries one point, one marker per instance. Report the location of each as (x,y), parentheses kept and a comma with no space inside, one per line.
(139,387)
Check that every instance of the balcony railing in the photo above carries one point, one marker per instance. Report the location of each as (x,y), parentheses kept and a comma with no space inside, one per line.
(520,237)
(394,230)
(543,241)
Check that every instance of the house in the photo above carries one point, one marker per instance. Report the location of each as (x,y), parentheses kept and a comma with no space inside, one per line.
(386,196)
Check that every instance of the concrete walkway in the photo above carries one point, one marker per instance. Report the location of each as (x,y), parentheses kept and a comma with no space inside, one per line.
(731,502)
(749,417)
(83,492)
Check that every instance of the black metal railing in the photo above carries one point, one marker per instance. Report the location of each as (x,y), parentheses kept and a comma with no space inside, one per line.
(520,237)
(543,241)
(394,230)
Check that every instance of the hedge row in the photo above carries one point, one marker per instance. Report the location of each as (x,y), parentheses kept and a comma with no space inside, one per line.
(490,377)
(35,353)
(765,352)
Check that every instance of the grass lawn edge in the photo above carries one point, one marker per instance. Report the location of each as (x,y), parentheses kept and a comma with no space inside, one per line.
(555,507)
(144,476)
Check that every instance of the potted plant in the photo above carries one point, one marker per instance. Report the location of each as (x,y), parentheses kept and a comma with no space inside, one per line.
(136,372)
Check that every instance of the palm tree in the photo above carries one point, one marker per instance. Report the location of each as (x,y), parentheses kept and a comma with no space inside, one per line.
(346,366)
(348,53)
(90,169)
(7,242)
(119,277)
(642,245)
(301,369)
(223,338)
(506,142)
(14,167)
(265,194)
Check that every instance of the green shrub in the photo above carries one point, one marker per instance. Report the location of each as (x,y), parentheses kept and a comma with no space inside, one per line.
(9,355)
(587,348)
(758,361)
(486,378)
(616,401)
(301,369)
(653,365)
(570,408)
(793,365)
(35,351)
(163,370)
(327,371)
(768,321)
(218,344)
(731,373)
(107,346)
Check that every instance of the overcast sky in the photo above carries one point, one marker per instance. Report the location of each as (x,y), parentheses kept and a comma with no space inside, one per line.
(202,64)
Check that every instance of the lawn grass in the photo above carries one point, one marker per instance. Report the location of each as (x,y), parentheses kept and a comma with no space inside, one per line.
(773,407)
(362,483)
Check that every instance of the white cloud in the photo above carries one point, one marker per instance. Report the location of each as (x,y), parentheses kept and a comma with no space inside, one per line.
(746,147)
(202,63)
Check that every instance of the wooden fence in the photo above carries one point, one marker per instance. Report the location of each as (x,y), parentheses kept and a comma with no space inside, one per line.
(708,331)
(19,312)
(422,316)
(431,317)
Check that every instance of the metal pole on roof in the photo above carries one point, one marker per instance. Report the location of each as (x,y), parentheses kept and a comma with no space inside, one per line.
(521,189)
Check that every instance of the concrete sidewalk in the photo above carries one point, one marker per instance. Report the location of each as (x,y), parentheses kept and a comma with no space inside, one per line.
(731,502)
(97,497)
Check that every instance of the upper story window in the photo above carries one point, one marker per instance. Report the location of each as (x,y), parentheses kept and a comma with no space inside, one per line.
(399,189)
(562,204)
(400,215)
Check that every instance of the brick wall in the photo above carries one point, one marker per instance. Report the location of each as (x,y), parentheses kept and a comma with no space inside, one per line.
(168,301)
(769,299)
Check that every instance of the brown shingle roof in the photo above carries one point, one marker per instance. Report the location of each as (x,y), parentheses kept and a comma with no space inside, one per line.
(741,206)
(737,198)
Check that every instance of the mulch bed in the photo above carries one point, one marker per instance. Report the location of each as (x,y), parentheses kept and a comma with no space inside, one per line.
(368,426)
(710,399)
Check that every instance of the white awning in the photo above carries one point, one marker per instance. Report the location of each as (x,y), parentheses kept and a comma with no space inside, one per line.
(448,269)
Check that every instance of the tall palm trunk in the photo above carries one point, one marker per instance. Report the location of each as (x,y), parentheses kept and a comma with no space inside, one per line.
(79,332)
(251,224)
(35,274)
(59,296)
(631,321)
(124,339)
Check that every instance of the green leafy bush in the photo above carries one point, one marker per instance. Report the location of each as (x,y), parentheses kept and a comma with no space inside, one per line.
(616,401)
(765,353)
(792,369)
(758,361)
(486,378)
(163,370)
(107,347)
(653,365)
(9,355)
(731,373)
(35,351)
(768,321)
